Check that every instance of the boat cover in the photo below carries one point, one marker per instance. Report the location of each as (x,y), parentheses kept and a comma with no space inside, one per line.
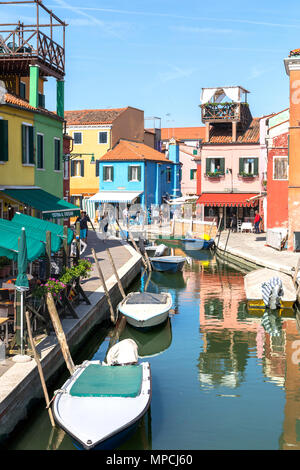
(160,250)
(147,298)
(108,381)
(272,291)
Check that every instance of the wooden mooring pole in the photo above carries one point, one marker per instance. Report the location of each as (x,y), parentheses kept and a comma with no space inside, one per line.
(60,333)
(111,309)
(138,250)
(38,362)
(116,273)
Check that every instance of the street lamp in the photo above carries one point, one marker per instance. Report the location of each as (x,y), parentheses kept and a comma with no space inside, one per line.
(71,156)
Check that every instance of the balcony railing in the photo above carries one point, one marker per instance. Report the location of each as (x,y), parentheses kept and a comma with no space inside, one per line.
(224,112)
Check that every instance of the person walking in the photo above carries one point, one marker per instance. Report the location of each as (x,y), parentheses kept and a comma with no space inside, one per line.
(83,226)
(257,220)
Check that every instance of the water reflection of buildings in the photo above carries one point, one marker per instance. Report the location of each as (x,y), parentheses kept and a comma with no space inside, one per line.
(231,335)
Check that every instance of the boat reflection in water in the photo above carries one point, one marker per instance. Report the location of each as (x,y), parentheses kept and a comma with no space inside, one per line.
(152,342)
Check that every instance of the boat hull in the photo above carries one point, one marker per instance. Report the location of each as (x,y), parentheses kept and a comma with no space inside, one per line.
(145,315)
(167,264)
(101,422)
(197,244)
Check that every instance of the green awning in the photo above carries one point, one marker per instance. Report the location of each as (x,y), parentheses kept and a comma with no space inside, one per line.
(51,206)
(34,223)
(9,245)
(32,232)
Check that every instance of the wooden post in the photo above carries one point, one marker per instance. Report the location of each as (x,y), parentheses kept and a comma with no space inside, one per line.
(116,273)
(228,236)
(77,256)
(219,231)
(211,227)
(60,333)
(138,250)
(120,325)
(147,282)
(296,271)
(38,363)
(48,254)
(112,313)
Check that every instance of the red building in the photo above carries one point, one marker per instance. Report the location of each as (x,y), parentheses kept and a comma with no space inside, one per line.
(277,170)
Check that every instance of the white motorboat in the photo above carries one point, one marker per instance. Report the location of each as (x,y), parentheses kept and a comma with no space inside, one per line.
(145,309)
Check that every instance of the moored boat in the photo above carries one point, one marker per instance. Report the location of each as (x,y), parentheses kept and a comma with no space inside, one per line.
(172,264)
(145,309)
(100,404)
(198,243)
(156,250)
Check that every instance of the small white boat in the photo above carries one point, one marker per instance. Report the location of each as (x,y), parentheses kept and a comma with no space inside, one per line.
(99,405)
(145,309)
(156,250)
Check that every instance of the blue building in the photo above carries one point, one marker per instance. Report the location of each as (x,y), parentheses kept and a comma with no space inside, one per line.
(133,172)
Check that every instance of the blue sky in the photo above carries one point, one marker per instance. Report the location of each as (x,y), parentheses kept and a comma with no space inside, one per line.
(157,55)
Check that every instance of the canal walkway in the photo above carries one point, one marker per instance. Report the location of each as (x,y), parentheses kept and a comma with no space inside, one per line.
(250,250)
(19,382)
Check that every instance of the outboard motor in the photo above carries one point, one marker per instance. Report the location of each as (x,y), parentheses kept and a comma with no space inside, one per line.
(123,353)
(272,292)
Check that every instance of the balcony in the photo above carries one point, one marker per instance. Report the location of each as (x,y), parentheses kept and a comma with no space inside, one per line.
(225,112)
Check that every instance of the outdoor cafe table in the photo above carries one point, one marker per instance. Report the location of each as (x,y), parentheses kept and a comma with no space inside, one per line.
(246,226)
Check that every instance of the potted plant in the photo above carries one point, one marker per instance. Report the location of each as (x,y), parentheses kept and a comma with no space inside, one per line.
(244,174)
(214,174)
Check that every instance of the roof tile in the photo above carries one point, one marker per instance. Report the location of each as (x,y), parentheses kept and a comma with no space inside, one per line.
(129,150)
(92,116)
(183,133)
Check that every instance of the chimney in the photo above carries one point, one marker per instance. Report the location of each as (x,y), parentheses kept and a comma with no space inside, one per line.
(234,124)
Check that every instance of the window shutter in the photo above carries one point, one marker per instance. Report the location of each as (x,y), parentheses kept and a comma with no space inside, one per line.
(208,165)
(129,173)
(31,145)
(3,140)
(40,151)
(222,165)
(81,168)
(23,129)
(139,173)
(104,173)
(256,166)
(112,173)
(241,165)
(97,167)
(191,174)
(72,168)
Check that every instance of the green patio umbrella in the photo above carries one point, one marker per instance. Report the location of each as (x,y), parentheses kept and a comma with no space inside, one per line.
(22,283)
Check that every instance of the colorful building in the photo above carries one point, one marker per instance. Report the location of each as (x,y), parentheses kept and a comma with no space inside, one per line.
(277,173)
(133,172)
(94,133)
(232,156)
(31,176)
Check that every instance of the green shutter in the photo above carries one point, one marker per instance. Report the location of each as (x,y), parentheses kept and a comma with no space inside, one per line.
(23,129)
(256,166)
(191,174)
(3,140)
(208,165)
(97,167)
(139,173)
(222,165)
(72,168)
(31,145)
(104,173)
(40,151)
(241,165)
(82,168)
(129,173)
(57,154)
(112,173)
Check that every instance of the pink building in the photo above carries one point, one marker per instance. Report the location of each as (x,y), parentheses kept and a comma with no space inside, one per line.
(232,156)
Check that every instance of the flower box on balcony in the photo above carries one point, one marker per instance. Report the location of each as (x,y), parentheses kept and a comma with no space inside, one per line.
(247,175)
(213,174)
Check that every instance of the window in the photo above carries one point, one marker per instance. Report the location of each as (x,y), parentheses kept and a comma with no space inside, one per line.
(169,174)
(3,140)
(77,168)
(193,173)
(56,154)
(22,90)
(40,151)
(280,168)
(134,173)
(108,173)
(27,145)
(77,136)
(248,166)
(97,167)
(103,137)
(215,166)
(41,101)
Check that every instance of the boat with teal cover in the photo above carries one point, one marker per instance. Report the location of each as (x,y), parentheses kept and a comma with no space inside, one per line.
(100,404)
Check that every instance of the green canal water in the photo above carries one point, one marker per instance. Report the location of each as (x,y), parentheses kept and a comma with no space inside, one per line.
(221,378)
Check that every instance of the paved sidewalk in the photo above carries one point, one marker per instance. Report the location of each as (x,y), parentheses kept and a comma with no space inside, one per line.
(252,247)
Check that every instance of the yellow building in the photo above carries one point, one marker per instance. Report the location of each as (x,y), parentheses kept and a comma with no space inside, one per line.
(94,132)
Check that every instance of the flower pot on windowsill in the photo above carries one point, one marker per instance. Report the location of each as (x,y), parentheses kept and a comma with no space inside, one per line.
(247,175)
(216,174)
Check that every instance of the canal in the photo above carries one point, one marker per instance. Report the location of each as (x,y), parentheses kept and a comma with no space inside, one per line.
(221,378)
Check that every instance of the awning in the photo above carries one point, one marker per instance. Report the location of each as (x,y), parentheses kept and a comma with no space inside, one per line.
(227,199)
(51,206)
(115,196)
(183,200)
(33,223)
(9,245)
